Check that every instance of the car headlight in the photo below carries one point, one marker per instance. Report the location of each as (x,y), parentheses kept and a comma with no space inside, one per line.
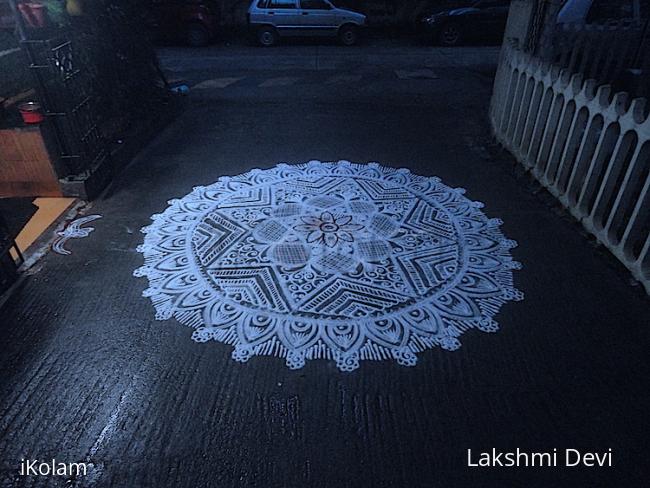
(430,20)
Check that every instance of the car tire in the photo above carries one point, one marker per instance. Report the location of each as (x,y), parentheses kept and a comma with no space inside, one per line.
(197,35)
(450,35)
(267,36)
(348,35)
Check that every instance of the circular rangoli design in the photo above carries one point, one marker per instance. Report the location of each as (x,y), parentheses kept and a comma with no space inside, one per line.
(340,261)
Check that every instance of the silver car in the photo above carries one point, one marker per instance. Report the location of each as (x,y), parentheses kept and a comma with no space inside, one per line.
(272,19)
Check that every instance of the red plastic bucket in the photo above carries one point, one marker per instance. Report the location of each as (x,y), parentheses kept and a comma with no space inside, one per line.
(31,112)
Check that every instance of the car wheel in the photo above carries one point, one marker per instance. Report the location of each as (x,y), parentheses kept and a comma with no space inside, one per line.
(267,36)
(348,35)
(450,35)
(197,35)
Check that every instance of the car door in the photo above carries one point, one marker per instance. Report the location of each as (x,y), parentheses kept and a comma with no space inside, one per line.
(317,17)
(491,18)
(497,14)
(284,15)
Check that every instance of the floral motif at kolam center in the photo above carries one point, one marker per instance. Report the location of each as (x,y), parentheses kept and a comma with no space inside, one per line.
(329,229)
(338,261)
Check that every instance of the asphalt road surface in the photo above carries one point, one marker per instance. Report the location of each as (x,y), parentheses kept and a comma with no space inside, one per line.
(88,375)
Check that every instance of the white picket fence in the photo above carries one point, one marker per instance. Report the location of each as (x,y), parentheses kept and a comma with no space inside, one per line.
(589,148)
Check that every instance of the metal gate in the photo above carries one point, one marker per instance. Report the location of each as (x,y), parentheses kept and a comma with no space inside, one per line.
(94,76)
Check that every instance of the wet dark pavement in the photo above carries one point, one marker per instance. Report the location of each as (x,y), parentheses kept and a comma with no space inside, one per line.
(89,375)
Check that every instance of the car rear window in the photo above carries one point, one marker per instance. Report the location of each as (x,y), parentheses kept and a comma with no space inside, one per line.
(314,5)
(281,4)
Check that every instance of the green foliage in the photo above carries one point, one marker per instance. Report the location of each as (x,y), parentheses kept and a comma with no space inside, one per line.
(56,11)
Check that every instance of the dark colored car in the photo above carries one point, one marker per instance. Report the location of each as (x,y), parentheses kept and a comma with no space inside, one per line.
(483,20)
(195,22)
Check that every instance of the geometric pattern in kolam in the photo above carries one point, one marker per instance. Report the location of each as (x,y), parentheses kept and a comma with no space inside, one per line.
(328,260)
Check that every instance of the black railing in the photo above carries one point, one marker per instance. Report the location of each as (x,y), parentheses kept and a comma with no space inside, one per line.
(95,75)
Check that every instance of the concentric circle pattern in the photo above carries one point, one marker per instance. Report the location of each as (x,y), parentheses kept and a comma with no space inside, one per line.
(340,261)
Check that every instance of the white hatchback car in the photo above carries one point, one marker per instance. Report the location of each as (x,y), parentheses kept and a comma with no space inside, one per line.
(272,19)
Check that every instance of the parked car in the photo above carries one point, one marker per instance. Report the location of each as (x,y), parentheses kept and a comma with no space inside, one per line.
(195,22)
(271,19)
(585,12)
(483,20)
